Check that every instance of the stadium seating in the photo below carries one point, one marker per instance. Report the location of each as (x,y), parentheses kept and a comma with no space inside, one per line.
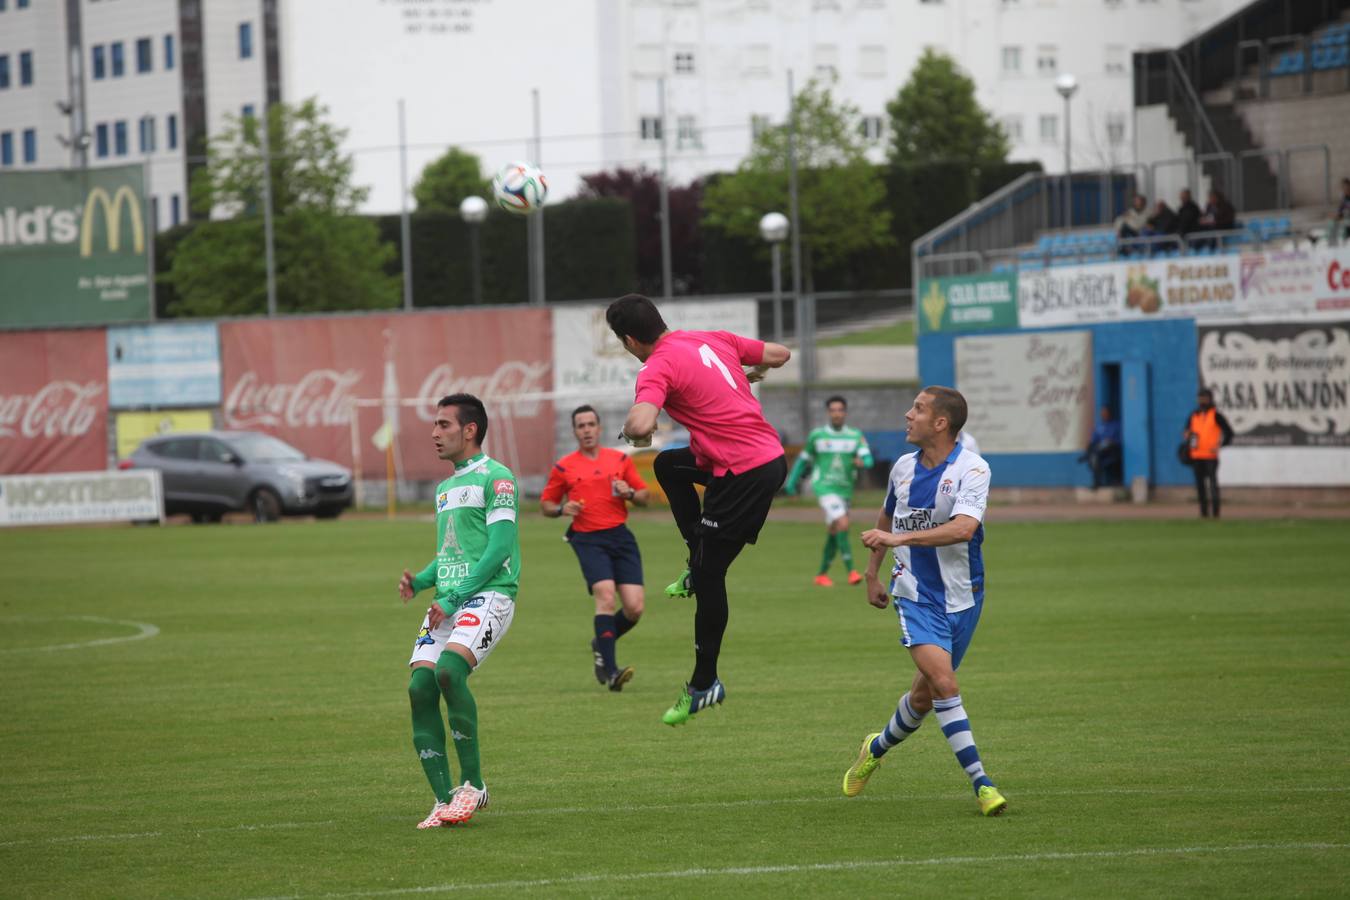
(1329,50)
(1073,248)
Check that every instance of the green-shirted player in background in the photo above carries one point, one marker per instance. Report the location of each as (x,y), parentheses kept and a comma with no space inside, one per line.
(835,453)
(475,573)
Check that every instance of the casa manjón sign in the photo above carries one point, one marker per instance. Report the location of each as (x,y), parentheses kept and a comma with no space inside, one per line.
(74,247)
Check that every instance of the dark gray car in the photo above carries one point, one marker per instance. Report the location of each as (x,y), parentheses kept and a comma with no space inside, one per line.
(208,474)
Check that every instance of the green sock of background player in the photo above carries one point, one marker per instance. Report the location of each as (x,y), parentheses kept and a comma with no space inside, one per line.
(844,550)
(827,555)
(429,731)
(452,673)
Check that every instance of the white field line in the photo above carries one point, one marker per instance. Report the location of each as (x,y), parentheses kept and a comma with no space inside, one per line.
(658,807)
(842,866)
(143,631)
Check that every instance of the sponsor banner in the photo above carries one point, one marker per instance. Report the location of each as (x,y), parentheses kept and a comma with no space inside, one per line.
(968,302)
(1202,287)
(299,379)
(73,246)
(53,397)
(134,427)
(1296,283)
(163,365)
(1280,385)
(75,497)
(1027,393)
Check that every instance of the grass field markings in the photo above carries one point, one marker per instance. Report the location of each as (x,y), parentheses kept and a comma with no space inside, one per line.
(841,866)
(144,630)
(657,807)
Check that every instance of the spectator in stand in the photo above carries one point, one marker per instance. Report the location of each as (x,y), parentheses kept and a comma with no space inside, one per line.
(1188,214)
(1134,220)
(1219,214)
(1103,450)
(1163,220)
(1343,211)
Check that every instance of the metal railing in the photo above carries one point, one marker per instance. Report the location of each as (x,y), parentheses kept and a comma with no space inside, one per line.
(1204,129)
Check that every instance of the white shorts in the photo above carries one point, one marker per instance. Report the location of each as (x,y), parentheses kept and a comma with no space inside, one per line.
(479,625)
(833,505)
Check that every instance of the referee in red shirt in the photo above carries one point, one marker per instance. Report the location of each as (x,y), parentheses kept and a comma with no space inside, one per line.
(598,484)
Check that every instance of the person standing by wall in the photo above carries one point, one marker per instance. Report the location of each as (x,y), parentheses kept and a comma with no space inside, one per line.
(1206,431)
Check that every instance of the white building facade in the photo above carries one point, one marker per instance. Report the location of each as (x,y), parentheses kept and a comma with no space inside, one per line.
(151,79)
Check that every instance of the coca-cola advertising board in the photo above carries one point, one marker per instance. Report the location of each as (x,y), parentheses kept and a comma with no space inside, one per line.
(303,380)
(53,401)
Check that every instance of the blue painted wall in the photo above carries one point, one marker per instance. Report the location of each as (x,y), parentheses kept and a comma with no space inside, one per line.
(1158,377)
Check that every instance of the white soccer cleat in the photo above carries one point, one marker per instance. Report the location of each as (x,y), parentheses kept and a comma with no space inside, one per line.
(433,819)
(464,802)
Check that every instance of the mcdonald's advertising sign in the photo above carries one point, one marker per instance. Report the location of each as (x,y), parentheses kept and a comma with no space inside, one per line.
(73,247)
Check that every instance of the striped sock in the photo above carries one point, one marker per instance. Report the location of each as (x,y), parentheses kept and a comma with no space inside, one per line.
(904,723)
(951,715)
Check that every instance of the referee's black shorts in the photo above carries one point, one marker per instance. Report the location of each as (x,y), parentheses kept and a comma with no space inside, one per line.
(610,554)
(736,504)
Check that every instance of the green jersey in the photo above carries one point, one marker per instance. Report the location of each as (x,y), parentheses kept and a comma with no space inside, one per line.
(831,454)
(481,493)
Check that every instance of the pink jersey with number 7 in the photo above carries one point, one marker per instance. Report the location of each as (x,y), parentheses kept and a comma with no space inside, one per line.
(696,377)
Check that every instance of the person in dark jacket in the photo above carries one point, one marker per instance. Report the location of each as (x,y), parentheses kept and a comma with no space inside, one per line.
(1188,214)
(1163,220)
(1206,431)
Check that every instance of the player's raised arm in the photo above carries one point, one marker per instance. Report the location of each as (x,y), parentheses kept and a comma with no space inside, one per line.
(775,355)
(640,424)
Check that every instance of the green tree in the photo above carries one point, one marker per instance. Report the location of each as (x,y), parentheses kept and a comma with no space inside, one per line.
(447,180)
(935,117)
(327,257)
(841,196)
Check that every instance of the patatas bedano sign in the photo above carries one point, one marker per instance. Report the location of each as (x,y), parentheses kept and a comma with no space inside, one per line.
(73,247)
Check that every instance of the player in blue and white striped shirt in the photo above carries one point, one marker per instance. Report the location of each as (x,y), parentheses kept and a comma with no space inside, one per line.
(932,519)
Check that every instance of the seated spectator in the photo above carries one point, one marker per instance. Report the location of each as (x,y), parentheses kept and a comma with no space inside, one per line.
(1188,214)
(1163,220)
(1132,222)
(1103,451)
(1343,211)
(1219,214)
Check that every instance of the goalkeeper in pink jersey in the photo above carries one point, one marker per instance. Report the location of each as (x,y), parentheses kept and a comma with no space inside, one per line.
(696,377)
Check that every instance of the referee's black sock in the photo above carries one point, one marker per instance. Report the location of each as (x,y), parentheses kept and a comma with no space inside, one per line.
(621,624)
(605,634)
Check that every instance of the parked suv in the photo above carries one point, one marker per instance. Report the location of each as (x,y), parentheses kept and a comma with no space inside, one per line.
(208,474)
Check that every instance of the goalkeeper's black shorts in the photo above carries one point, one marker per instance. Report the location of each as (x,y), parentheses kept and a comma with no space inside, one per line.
(736,504)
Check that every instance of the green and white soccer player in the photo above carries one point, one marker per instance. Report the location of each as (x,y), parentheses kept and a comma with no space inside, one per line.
(475,573)
(835,453)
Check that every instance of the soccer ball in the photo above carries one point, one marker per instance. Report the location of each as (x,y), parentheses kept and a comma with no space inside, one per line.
(520,188)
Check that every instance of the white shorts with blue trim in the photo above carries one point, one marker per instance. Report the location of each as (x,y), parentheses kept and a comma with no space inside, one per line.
(926,623)
(479,624)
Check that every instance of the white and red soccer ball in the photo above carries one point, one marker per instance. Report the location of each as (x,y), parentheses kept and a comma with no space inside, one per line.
(520,188)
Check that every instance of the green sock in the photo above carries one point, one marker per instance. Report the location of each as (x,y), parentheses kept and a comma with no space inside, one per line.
(429,731)
(844,550)
(827,555)
(452,672)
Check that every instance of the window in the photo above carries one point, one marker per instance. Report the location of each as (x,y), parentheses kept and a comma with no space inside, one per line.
(101,140)
(826,58)
(758,125)
(1115,59)
(147,134)
(245,40)
(23,4)
(26,67)
(1049,129)
(168,51)
(174,210)
(30,145)
(871,128)
(684,62)
(650,127)
(143,55)
(872,61)
(118,61)
(120,138)
(171,126)
(100,69)
(6,148)
(1047,59)
(4,70)
(1012,127)
(1012,60)
(1115,128)
(247,111)
(686,132)
(757,59)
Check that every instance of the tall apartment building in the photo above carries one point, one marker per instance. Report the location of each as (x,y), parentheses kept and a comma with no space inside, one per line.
(102,82)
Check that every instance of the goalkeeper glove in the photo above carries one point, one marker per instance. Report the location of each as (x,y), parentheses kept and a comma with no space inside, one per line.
(756,374)
(635,441)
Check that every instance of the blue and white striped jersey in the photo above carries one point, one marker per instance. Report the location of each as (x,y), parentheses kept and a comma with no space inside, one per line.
(917,499)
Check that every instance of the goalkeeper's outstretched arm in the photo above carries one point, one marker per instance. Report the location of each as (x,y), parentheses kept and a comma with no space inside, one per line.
(641,422)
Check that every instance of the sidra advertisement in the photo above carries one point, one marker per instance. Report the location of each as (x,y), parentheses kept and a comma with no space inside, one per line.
(53,397)
(304,380)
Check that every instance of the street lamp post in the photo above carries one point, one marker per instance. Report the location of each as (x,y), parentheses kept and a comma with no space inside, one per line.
(473,210)
(1067,85)
(774,227)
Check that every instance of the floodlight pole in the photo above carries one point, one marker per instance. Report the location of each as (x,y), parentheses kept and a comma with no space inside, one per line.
(666,277)
(405,224)
(535,223)
(269,234)
(805,338)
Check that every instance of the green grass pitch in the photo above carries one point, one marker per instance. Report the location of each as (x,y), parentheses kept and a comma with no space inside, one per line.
(1165,706)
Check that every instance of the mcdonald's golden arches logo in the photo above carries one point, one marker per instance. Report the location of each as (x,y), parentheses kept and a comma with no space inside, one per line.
(112,218)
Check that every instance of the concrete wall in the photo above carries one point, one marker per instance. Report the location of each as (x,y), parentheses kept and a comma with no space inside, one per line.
(1306,120)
